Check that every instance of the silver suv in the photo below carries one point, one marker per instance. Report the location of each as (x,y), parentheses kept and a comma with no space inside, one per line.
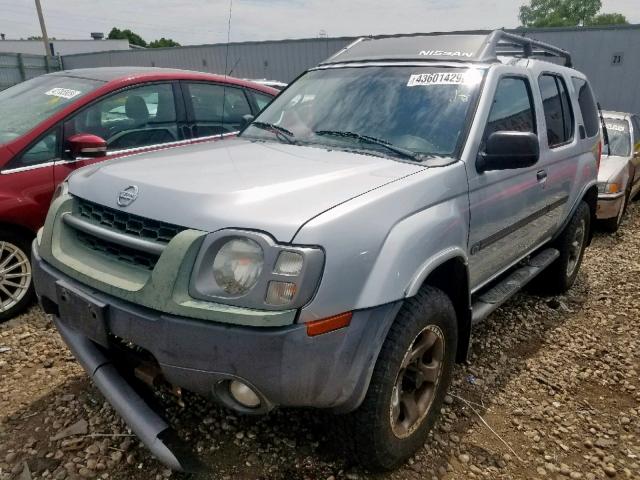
(337,254)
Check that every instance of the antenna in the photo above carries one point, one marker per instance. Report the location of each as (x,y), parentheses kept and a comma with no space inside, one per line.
(226,65)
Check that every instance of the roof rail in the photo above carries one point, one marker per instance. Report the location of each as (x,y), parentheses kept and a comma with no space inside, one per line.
(483,47)
(501,43)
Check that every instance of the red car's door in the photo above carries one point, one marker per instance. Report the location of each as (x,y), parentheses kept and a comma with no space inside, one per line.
(140,118)
(27,181)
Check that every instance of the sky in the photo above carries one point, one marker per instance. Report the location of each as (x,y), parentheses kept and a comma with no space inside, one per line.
(206,21)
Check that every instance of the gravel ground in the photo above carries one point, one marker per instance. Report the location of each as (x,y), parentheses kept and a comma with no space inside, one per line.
(551,391)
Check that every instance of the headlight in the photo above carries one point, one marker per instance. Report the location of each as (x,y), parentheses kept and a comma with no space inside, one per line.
(251,270)
(609,188)
(238,265)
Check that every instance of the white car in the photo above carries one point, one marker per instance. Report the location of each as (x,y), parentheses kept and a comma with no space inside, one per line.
(619,175)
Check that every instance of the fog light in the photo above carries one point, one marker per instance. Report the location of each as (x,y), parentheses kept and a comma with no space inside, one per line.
(280,293)
(243,394)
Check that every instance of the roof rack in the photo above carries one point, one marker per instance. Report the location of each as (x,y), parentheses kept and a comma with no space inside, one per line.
(501,43)
(462,47)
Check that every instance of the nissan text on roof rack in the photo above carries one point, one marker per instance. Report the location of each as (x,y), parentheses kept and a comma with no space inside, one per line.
(338,252)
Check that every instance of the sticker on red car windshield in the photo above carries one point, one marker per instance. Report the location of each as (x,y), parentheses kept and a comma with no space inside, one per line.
(442,78)
(63,93)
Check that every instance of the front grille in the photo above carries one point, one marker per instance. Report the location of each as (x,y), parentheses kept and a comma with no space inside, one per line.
(124,222)
(118,252)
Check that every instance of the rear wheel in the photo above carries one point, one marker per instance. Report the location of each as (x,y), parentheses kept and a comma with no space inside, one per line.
(561,274)
(410,379)
(16,286)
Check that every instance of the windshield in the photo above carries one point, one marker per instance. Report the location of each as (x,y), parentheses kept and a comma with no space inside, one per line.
(389,110)
(619,137)
(25,105)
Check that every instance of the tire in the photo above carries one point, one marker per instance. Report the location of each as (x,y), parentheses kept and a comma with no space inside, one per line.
(561,274)
(380,430)
(612,225)
(16,291)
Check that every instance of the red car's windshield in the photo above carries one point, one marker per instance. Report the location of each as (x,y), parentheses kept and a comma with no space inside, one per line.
(25,105)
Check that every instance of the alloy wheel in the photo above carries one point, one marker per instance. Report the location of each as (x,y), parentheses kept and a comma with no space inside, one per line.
(15,275)
(417,381)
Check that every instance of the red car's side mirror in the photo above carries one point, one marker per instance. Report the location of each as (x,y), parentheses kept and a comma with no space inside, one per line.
(86,145)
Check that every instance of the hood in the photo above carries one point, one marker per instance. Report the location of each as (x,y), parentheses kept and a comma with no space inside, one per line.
(611,167)
(235,183)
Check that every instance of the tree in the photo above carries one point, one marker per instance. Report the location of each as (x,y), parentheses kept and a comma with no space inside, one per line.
(609,19)
(163,43)
(132,37)
(567,13)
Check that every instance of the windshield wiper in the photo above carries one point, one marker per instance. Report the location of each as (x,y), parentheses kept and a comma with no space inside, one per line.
(374,141)
(277,130)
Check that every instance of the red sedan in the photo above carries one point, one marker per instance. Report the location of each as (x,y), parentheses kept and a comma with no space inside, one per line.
(56,123)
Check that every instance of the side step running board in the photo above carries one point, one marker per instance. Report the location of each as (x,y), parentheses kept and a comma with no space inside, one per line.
(489,300)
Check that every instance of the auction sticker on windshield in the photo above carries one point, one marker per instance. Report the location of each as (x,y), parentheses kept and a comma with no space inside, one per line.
(441,78)
(618,127)
(63,93)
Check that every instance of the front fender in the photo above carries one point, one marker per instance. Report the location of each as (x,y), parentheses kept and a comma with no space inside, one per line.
(380,244)
(414,248)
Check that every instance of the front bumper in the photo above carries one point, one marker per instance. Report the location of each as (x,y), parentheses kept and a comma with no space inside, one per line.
(283,365)
(609,205)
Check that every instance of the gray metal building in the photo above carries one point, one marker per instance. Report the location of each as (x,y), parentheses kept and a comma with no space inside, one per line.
(16,67)
(608,55)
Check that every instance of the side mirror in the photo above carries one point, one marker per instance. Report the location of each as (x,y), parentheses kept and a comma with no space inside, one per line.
(86,145)
(246,120)
(508,150)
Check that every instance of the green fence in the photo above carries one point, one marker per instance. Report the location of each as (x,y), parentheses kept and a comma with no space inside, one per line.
(18,67)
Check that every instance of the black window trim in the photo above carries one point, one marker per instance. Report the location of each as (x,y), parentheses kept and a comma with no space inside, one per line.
(555,76)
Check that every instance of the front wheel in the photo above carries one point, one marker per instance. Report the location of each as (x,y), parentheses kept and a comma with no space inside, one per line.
(16,286)
(409,382)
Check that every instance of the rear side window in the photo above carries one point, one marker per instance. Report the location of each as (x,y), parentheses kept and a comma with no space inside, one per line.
(512,108)
(262,100)
(588,107)
(217,109)
(557,110)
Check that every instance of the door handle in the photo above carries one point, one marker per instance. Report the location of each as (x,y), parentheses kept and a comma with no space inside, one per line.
(541,175)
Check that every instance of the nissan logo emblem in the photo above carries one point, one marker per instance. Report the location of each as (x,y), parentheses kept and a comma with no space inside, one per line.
(127,196)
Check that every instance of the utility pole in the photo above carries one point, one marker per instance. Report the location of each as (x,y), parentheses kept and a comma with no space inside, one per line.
(45,38)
